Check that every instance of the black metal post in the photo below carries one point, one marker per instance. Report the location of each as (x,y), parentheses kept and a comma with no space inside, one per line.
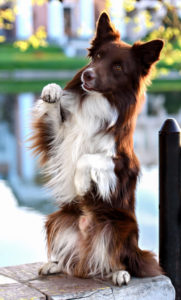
(170,201)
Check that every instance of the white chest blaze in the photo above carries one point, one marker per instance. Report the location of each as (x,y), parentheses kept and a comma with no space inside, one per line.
(81,134)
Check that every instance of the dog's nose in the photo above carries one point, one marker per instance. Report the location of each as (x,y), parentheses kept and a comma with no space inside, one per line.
(88,75)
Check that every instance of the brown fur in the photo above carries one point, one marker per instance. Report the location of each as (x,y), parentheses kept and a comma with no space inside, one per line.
(124,89)
(42,139)
(121,229)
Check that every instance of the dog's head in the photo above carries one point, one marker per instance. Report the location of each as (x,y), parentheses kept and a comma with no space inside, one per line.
(116,66)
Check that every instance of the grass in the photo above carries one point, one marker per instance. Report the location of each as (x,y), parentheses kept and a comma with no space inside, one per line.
(49,58)
(165,85)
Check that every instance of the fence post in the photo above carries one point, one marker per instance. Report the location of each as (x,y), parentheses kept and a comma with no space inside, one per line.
(170,202)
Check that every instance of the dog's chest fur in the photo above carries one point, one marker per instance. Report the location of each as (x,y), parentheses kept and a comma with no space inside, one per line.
(82,133)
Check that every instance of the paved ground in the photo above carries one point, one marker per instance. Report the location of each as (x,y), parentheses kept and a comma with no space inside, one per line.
(22,282)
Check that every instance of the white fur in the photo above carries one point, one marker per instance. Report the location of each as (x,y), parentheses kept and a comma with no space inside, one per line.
(81,152)
(100,169)
(121,277)
(65,244)
(51,92)
(41,109)
(49,268)
(99,259)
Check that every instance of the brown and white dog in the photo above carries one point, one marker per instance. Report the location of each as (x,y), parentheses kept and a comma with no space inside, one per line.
(84,137)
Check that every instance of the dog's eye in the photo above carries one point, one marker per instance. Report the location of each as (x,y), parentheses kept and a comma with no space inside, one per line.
(98,55)
(117,67)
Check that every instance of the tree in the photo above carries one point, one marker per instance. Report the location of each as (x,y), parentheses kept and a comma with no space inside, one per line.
(169,29)
(8,12)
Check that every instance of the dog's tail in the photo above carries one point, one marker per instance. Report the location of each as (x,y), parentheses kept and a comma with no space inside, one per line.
(143,263)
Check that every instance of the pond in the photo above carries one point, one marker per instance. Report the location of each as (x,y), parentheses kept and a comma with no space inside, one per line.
(24,203)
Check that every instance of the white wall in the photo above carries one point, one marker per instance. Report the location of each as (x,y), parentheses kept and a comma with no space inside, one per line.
(24,20)
(87,27)
(56,22)
(117,15)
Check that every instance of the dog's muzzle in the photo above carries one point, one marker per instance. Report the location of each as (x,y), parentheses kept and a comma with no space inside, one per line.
(88,79)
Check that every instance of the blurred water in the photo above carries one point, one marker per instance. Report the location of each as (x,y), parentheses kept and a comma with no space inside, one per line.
(21,235)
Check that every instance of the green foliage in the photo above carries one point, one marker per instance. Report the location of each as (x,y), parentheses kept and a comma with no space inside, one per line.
(35,86)
(172,102)
(165,85)
(169,30)
(49,58)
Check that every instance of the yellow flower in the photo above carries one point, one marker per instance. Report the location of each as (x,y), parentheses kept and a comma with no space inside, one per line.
(41,33)
(8,15)
(169,61)
(127,20)
(22,45)
(39,2)
(136,19)
(34,41)
(129,5)
(137,28)
(107,5)
(2,38)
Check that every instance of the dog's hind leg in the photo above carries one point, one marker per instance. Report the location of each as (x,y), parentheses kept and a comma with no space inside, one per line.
(62,230)
(101,256)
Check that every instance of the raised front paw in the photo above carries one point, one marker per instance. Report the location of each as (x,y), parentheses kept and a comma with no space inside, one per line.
(51,93)
(49,268)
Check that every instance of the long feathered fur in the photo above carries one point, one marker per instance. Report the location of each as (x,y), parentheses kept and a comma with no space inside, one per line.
(85,142)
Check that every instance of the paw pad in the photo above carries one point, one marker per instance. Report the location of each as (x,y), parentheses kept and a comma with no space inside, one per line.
(51,93)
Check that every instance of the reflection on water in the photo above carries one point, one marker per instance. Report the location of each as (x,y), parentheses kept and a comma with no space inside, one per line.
(22,238)
(21,234)
(17,163)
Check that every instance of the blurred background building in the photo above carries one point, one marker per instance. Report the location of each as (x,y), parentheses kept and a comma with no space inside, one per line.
(71,23)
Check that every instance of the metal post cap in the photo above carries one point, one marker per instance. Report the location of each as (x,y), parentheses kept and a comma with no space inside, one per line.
(170,126)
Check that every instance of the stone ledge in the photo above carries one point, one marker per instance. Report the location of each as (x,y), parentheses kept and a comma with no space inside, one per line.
(23,282)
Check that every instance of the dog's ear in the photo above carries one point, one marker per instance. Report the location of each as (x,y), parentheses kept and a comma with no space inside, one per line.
(105,32)
(147,53)
(105,29)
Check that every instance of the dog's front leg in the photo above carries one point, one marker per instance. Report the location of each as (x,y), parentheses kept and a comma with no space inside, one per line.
(51,96)
(47,121)
(98,168)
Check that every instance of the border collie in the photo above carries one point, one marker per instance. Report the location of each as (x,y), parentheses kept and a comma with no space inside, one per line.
(83,135)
